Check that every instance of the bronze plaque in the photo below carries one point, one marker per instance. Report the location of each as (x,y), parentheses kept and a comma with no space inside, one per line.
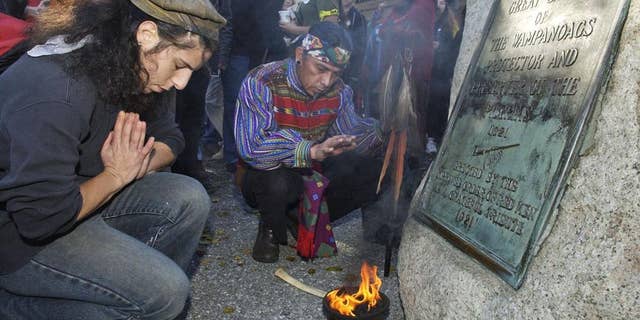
(518,122)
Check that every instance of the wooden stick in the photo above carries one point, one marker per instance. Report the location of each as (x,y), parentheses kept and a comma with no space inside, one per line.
(280,273)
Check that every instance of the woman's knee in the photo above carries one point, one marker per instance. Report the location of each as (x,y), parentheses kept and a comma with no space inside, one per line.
(191,191)
(167,296)
(187,197)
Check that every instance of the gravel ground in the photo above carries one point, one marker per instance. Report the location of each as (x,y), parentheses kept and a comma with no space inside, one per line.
(228,284)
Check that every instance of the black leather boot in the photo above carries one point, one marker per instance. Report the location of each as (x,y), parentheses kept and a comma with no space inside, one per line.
(266,248)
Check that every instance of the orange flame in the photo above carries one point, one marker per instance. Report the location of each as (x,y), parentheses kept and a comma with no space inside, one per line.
(368,292)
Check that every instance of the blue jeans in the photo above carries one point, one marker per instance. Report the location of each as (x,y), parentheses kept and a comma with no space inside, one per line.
(125,262)
(232,77)
(214,109)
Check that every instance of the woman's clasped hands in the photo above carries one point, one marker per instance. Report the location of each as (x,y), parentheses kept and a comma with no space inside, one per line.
(125,154)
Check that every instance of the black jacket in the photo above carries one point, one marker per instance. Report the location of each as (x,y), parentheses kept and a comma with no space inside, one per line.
(245,31)
(271,45)
(13,7)
(52,127)
(225,37)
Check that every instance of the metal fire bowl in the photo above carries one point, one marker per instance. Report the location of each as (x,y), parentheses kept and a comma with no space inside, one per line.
(380,312)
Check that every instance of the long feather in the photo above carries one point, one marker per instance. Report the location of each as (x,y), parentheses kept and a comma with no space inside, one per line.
(405,113)
(399,163)
(387,158)
(387,96)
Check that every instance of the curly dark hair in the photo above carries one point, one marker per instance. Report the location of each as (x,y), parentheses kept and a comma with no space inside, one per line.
(111,60)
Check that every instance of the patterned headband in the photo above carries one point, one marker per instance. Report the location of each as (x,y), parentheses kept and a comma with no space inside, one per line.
(315,47)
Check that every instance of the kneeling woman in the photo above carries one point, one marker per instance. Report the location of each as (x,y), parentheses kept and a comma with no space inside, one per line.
(87,229)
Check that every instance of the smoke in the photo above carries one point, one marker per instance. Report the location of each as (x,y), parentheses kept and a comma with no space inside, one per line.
(382,221)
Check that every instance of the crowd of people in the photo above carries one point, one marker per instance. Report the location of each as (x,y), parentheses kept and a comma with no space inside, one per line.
(110,109)
(396,24)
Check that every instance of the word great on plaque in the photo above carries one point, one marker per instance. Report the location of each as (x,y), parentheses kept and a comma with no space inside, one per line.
(518,122)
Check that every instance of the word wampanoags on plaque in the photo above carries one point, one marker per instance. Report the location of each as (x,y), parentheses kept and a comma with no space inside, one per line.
(518,122)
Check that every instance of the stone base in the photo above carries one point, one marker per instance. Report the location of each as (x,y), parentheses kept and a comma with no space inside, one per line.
(589,266)
(589,269)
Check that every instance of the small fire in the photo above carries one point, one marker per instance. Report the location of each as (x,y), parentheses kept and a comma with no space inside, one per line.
(368,292)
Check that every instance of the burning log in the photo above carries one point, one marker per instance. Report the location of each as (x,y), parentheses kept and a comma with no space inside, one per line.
(365,303)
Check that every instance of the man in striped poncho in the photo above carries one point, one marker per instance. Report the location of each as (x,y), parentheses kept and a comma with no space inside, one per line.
(308,154)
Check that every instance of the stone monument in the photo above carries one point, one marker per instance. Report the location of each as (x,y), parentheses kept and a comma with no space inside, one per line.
(582,255)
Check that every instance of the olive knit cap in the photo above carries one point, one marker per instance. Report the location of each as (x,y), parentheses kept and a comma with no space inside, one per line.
(197,16)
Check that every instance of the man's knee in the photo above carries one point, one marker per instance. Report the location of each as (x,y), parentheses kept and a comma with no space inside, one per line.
(280,184)
(286,187)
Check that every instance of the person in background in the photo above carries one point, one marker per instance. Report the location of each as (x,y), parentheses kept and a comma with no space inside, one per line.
(13,40)
(400,26)
(89,229)
(296,130)
(243,47)
(459,8)
(308,12)
(400,35)
(190,113)
(271,43)
(23,9)
(210,143)
(446,45)
(14,8)
(191,104)
(356,24)
(15,19)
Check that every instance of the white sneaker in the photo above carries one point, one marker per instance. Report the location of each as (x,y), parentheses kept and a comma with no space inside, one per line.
(432,146)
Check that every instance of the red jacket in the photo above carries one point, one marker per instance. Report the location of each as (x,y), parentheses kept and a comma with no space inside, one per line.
(414,30)
(422,15)
(13,32)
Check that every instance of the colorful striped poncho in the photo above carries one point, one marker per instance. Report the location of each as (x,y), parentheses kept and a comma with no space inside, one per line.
(277,122)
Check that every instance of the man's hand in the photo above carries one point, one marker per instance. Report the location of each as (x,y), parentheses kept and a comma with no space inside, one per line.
(332,147)
(293,29)
(124,154)
(288,27)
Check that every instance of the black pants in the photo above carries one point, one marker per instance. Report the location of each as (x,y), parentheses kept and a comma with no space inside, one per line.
(438,108)
(352,178)
(190,116)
